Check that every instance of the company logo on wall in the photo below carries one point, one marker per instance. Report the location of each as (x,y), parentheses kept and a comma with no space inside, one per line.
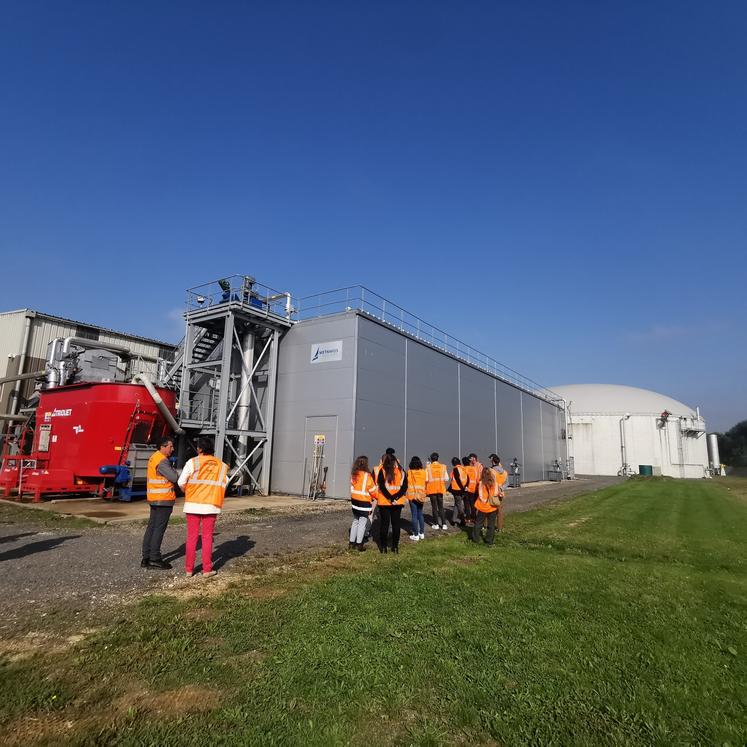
(324,352)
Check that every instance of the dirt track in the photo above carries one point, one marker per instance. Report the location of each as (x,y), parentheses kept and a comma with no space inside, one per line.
(45,571)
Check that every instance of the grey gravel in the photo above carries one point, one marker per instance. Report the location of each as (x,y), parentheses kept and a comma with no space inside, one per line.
(47,571)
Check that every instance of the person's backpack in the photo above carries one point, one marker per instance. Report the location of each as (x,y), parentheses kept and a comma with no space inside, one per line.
(495,500)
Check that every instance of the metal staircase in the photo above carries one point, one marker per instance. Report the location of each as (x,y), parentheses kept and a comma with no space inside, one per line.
(226,372)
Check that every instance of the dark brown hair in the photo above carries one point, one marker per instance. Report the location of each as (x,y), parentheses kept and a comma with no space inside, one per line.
(359,465)
(390,462)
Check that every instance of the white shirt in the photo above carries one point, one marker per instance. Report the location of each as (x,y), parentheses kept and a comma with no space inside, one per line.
(194,508)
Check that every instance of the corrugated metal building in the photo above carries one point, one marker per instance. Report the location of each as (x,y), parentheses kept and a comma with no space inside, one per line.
(366,385)
(25,334)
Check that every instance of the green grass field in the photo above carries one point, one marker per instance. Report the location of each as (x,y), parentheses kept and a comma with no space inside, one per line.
(619,617)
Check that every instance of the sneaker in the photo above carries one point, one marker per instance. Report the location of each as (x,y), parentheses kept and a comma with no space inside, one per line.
(145,562)
(421,536)
(189,574)
(160,565)
(434,526)
(414,537)
(209,574)
(444,526)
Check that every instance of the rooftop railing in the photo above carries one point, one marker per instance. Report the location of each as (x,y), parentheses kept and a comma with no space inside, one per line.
(243,289)
(360,298)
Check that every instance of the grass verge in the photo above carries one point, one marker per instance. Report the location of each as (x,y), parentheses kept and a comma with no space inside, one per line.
(614,618)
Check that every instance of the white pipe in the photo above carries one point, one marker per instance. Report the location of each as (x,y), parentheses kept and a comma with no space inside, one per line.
(148,384)
(22,377)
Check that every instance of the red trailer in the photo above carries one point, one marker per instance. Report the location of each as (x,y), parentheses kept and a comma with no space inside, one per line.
(81,428)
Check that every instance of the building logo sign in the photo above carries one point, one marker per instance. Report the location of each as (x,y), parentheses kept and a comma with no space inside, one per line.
(324,352)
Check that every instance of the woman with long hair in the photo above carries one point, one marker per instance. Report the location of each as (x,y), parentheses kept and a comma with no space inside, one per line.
(501,478)
(416,478)
(392,488)
(363,501)
(486,506)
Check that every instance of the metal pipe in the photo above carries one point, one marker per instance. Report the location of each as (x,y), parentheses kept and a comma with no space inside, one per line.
(86,344)
(16,395)
(22,377)
(10,416)
(623,446)
(168,417)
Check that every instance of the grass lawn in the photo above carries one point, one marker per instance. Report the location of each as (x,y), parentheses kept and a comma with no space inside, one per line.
(619,617)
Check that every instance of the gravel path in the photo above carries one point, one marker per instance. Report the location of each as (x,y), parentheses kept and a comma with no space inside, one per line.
(48,570)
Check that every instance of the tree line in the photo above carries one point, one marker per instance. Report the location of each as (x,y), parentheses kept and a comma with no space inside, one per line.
(732,445)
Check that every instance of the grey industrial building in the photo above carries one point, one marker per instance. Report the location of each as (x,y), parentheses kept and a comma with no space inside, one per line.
(378,387)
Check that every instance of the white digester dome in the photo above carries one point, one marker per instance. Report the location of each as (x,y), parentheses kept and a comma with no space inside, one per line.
(611,424)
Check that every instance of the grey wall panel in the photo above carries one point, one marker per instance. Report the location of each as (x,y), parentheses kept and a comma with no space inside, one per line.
(314,395)
(533,459)
(509,423)
(380,391)
(432,403)
(477,397)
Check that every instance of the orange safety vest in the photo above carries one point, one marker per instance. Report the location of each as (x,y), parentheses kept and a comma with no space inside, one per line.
(462,476)
(208,481)
(500,476)
(158,487)
(436,478)
(416,482)
(392,487)
(481,504)
(362,491)
(471,479)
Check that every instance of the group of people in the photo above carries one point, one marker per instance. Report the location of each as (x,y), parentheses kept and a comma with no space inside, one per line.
(478,494)
(204,480)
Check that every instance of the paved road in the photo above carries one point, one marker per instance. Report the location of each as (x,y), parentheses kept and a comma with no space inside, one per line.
(44,570)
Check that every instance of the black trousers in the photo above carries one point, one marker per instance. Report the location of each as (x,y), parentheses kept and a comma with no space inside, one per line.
(481,519)
(387,514)
(469,506)
(437,506)
(157,523)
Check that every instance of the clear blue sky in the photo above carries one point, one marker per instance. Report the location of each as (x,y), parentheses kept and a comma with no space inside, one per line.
(562,184)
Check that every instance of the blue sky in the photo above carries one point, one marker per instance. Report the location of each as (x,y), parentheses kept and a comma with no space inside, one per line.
(562,185)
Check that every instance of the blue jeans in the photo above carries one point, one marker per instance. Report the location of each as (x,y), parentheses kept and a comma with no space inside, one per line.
(418,520)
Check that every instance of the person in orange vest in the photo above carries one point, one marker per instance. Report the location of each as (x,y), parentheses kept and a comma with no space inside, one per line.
(486,506)
(478,465)
(501,480)
(392,488)
(204,480)
(470,492)
(416,481)
(436,480)
(363,500)
(161,496)
(457,486)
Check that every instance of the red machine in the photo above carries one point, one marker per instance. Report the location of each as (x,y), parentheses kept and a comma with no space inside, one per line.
(80,429)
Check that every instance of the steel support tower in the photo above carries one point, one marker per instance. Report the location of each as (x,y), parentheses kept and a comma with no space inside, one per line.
(226,371)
